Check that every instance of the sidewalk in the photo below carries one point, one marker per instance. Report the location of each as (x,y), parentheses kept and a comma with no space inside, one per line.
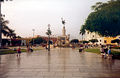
(59,63)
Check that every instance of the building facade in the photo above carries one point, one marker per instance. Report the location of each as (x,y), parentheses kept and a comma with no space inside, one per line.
(101,40)
(88,36)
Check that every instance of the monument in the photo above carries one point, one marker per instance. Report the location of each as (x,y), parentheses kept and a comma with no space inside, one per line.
(63,40)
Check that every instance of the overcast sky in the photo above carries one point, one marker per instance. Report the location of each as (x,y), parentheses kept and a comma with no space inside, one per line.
(25,15)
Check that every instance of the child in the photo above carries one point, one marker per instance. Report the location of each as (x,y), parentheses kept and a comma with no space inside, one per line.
(18,51)
(109,53)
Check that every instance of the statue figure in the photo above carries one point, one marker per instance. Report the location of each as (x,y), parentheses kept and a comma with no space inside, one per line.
(63,21)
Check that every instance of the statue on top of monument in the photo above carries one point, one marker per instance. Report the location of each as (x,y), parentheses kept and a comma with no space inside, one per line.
(63,21)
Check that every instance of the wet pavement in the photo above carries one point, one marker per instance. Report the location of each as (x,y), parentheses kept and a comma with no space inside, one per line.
(59,63)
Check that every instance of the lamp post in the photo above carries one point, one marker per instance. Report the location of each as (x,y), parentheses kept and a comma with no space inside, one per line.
(48,33)
(49,38)
(1,22)
(33,35)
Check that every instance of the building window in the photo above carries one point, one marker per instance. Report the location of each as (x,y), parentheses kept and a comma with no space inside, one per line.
(105,41)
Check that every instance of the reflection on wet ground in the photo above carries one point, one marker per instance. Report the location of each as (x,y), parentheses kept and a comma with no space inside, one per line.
(59,63)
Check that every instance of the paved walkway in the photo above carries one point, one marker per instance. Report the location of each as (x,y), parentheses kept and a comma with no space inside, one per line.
(60,63)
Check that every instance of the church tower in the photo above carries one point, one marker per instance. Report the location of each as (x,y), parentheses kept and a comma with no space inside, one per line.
(64,31)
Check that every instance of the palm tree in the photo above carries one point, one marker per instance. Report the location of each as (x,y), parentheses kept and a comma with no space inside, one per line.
(82,31)
(11,33)
(5,27)
(6,31)
(48,32)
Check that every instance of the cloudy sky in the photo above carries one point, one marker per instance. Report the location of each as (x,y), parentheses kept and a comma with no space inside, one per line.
(25,15)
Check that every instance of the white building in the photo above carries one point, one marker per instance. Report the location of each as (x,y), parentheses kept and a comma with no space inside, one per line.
(92,35)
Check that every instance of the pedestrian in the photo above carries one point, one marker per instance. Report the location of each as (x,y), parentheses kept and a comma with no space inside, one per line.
(28,48)
(102,51)
(18,51)
(31,50)
(46,48)
(109,53)
(105,52)
(109,50)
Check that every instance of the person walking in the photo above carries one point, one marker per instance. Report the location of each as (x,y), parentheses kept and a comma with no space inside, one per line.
(28,48)
(31,49)
(18,51)
(102,51)
(109,53)
(105,52)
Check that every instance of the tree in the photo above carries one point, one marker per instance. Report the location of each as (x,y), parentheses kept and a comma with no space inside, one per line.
(11,34)
(115,41)
(18,37)
(82,31)
(38,40)
(105,19)
(74,41)
(48,32)
(93,40)
(84,41)
(44,41)
(6,31)
(15,42)
(5,41)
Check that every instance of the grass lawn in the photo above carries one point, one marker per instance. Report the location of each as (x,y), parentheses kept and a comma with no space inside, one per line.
(93,50)
(115,54)
(9,51)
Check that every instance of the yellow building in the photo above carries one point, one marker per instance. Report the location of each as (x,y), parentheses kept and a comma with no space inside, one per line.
(107,40)
(101,40)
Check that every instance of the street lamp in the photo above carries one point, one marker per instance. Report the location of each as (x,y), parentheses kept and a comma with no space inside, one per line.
(48,33)
(49,38)
(33,35)
(1,22)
